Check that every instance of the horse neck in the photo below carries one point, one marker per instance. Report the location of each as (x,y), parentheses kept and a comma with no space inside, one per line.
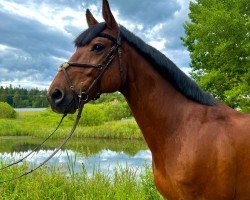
(156,105)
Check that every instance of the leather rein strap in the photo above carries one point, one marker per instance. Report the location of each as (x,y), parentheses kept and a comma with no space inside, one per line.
(84,96)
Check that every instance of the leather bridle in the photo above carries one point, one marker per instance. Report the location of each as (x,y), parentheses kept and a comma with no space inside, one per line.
(83,96)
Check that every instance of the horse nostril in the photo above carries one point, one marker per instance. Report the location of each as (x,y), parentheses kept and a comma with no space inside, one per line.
(57,96)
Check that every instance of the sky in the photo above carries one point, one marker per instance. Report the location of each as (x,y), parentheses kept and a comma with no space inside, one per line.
(37,36)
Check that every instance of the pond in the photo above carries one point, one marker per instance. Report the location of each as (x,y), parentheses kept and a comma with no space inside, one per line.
(92,154)
(29,109)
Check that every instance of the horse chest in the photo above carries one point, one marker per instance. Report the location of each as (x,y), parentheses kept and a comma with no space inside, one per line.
(163,183)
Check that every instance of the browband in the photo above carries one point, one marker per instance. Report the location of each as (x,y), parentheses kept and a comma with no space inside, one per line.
(104,35)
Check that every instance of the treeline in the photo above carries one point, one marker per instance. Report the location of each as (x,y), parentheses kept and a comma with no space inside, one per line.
(19,97)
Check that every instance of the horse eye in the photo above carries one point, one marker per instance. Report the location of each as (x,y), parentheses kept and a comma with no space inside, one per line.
(97,48)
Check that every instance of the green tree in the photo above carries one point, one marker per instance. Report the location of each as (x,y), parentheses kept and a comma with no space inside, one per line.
(21,97)
(17,99)
(3,95)
(218,38)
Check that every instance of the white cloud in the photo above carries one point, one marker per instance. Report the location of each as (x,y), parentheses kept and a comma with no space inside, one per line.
(55,17)
(159,45)
(26,84)
(4,48)
(37,35)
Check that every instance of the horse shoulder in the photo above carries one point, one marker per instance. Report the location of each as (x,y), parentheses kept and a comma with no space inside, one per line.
(205,167)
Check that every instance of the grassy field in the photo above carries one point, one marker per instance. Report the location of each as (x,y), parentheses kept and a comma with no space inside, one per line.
(49,183)
(42,123)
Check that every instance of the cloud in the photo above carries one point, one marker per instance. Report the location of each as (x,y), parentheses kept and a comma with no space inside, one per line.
(30,47)
(36,36)
(147,12)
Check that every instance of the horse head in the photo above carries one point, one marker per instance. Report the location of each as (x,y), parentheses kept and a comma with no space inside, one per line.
(95,67)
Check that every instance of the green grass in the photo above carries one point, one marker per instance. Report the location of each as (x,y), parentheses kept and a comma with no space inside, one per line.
(49,183)
(40,124)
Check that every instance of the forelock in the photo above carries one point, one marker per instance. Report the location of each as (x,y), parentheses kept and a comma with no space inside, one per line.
(86,36)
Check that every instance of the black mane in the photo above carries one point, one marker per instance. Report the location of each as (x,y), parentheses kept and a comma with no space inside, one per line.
(86,36)
(159,61)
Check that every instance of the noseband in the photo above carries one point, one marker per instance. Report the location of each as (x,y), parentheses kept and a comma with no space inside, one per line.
(83,96)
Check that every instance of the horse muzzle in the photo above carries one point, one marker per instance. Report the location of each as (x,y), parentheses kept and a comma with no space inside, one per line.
(60,103)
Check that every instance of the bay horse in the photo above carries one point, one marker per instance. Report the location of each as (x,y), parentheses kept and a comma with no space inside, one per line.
(200,147)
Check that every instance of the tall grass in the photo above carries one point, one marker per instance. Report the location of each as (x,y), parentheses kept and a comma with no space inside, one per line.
(49,183)
(71,164)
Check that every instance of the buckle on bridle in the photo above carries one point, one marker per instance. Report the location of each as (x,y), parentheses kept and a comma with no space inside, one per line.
(83,96)
(65,65)
(99,67)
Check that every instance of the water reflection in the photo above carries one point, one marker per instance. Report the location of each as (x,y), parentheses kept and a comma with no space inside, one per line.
(29,109)
(94,154)
(86,146)
(105,161)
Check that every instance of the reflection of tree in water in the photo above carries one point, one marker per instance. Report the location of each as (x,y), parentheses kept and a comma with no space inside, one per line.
(93,146)
(85,146)
(27,146)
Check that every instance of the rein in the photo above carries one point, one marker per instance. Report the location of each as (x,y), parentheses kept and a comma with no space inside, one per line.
(54,152)
(40,145)
(36,148)
(79,99)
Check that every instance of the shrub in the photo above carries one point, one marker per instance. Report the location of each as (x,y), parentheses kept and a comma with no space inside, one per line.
(116,111)
(105,98)
(97,114)
(92,115)
(6,111)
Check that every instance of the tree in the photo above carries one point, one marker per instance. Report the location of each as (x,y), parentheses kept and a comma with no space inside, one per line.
(17,99)
(218,38)
(21,97)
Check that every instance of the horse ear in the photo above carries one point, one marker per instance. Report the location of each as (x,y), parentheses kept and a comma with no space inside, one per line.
(90,19)
(108,16)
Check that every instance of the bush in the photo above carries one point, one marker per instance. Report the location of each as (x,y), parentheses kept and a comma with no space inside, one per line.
(105,98)
(116,111)
(6,111)
(92,115)
(97,114)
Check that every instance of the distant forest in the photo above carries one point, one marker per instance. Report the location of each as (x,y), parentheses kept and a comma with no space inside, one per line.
(19,97)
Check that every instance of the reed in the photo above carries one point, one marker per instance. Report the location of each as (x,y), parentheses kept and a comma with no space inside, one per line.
(50,183)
